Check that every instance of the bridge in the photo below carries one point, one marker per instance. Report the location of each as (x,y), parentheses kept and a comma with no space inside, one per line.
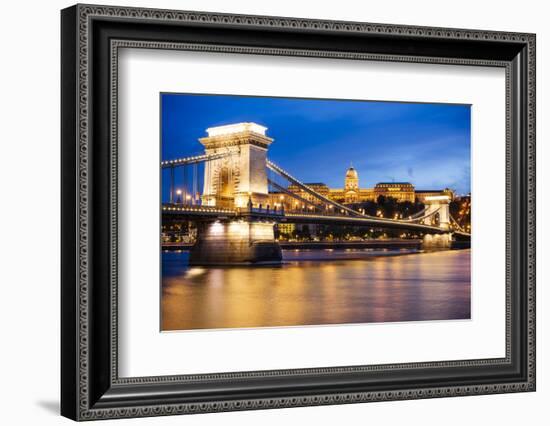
(244,194)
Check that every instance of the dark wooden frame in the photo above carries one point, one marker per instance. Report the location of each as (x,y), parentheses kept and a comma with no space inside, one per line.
(91,388)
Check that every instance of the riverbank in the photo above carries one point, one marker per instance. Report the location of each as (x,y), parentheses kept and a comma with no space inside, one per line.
(369,244)
(374,244)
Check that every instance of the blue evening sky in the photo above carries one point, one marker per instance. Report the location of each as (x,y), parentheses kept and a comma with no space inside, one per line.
(316,140)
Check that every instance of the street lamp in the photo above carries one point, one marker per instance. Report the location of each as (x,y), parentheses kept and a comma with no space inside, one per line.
(188,198)
(178,193)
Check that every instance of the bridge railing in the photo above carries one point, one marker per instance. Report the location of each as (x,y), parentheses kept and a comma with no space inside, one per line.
(182,208)
(194,159)
(268,210)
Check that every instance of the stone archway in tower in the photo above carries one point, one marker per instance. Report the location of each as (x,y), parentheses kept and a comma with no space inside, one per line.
(225,186)
(436,219)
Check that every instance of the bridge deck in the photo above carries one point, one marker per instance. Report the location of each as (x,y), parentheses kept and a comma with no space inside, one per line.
(296,217)
(360,221)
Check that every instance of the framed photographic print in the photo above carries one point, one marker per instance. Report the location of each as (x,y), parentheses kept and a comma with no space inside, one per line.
(263,212)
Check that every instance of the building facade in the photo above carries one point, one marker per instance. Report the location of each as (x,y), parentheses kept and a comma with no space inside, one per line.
(352,193)
(401,191)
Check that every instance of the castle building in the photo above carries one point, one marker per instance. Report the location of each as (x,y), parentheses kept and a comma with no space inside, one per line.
(401,191)
(352,192)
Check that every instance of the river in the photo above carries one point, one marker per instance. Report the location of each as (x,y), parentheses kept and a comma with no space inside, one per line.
(315,287)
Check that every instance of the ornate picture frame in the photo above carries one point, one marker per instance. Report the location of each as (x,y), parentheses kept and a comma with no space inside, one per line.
(91,37)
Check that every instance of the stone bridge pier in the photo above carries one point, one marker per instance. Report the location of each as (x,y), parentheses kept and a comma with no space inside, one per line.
(437,241)
(235,242)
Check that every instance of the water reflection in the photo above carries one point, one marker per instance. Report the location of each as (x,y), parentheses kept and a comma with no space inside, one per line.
(317,287)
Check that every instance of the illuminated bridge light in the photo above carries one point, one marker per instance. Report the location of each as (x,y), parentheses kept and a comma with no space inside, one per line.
(236,128)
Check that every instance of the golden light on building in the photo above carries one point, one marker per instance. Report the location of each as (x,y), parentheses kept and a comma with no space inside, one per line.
(351,186)
(286,228)
(352,193)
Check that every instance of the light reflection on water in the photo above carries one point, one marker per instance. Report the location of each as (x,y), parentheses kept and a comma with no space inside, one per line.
(315,287)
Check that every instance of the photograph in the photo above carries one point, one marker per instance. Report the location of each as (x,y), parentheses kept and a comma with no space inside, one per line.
(279,212)
(264,208)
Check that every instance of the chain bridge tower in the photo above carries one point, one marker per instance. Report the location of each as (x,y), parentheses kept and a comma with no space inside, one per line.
(233,179)
(236,177)
(437,214)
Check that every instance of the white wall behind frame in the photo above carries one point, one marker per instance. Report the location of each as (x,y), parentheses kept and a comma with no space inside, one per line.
(144,351)
(29,304)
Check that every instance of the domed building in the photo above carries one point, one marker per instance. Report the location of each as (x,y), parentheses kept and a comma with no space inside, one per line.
(352,179)
(352,193)
(351,186)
